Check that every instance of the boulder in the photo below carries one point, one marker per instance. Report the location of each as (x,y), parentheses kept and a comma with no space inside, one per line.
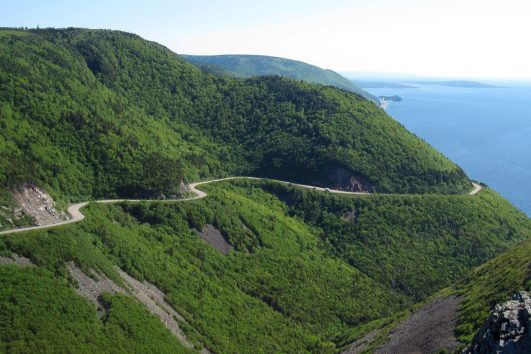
(507,330)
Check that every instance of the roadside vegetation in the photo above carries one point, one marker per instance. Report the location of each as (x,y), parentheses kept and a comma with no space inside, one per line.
(11,215)
(414,243)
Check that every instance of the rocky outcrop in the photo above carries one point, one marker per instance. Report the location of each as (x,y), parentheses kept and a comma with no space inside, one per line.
(38,204)
(507,330)
(342,179)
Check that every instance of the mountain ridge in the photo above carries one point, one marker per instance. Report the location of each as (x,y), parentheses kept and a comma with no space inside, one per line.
(247,65)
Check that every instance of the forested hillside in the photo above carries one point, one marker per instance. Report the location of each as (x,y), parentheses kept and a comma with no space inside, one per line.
(295,280)
(245,66)
(89,113)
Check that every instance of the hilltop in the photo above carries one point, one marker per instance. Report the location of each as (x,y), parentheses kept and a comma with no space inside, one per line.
(245,66)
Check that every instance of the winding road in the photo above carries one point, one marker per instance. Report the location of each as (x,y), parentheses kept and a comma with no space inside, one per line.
(75,209)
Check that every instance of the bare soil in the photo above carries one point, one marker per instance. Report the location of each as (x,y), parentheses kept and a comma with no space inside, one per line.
(428,329)
(92,287)
(214,237)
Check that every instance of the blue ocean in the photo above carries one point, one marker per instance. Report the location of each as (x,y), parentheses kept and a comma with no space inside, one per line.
(487,131)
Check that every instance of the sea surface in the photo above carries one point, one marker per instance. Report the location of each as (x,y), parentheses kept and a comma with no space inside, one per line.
(486,131)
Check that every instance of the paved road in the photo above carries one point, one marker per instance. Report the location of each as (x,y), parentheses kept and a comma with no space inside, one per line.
(74,210)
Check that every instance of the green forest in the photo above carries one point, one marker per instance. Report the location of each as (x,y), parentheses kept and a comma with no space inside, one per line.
(245,66)
(94,113)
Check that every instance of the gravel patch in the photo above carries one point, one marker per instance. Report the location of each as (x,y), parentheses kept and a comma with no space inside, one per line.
(214,237)
(361,344)
(148,294)
(16,260)
(154,300)
(427,330)
(93,287)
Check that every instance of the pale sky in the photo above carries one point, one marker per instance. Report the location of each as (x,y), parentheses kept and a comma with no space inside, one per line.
(458,38)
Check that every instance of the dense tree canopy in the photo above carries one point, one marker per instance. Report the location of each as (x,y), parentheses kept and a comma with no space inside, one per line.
(90,113)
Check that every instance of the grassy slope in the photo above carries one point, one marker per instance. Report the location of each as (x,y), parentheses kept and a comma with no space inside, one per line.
(95,113)
(259,65)
(492,283)
(285,288)
(487,285)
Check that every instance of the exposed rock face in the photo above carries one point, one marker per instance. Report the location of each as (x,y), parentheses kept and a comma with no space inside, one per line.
(39,205)
(507,330)
(345,180)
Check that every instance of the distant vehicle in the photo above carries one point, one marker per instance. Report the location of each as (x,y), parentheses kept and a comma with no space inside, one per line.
(327,189)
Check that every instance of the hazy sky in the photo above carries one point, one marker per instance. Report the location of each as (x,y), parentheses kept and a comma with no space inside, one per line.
(469,38)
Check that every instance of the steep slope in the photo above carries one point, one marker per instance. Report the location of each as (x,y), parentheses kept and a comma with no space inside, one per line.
(493,283)
(468,306)
(284,287)
(416,244)
(100,114)
(40,312)
(260,65)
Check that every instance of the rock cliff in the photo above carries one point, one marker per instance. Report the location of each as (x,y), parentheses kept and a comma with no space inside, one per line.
(507,330)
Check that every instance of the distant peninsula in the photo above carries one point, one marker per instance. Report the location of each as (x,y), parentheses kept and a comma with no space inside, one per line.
(460,83)
(381,84)
(403,84)
(394,98)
